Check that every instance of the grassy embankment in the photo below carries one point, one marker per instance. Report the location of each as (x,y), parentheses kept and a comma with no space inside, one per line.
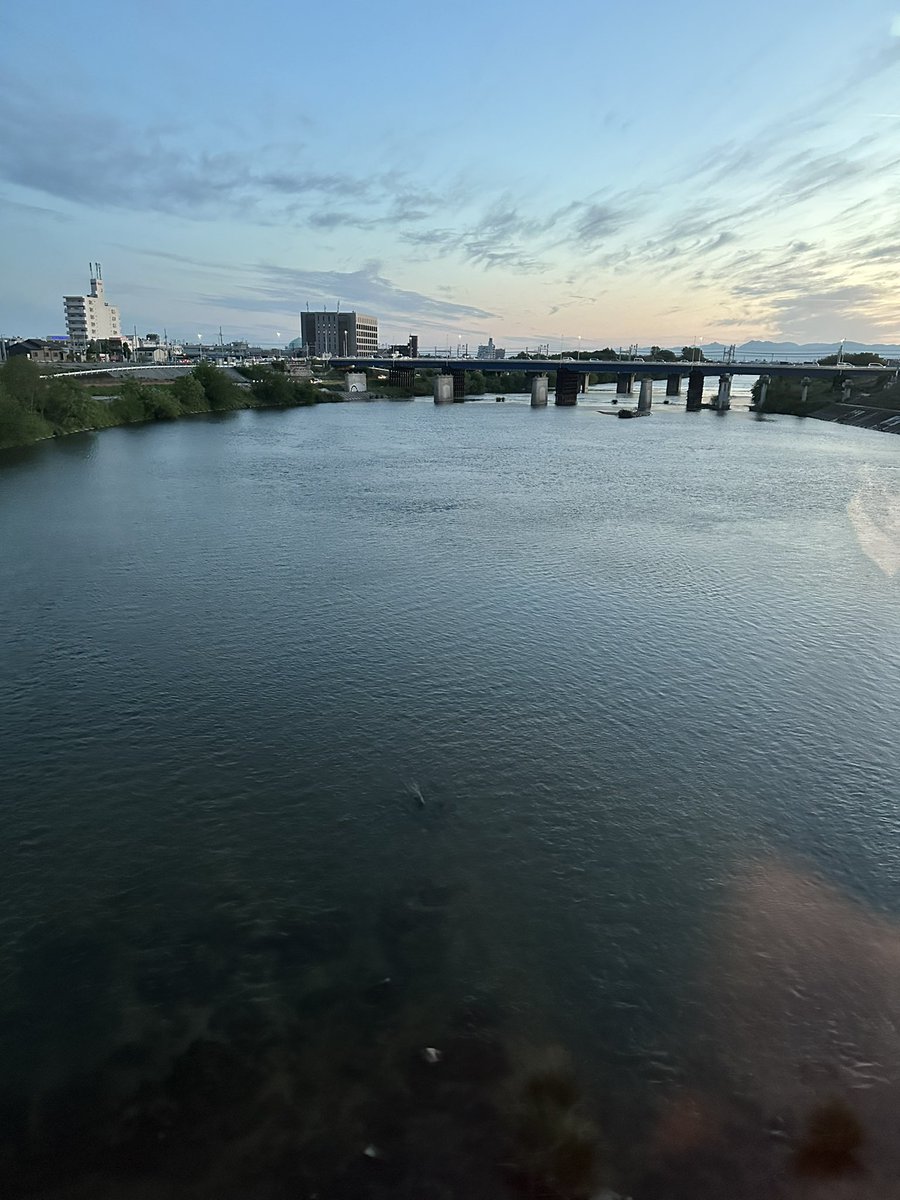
(33,408)
(785,395)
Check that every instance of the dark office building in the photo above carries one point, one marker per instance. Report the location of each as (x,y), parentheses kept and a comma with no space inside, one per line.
(338,333)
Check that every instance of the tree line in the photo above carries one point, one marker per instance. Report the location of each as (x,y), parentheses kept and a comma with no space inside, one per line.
(33,407)
(688,354)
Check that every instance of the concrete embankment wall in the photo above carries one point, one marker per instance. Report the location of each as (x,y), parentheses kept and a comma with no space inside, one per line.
(885,420)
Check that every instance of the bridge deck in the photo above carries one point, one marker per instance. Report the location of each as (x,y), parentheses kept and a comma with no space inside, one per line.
(617,366)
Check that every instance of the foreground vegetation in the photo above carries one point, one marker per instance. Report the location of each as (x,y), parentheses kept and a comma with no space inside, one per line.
(33,408)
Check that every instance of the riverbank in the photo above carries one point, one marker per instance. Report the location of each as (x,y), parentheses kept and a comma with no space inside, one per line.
(34,409)
(882,420)
(868,403)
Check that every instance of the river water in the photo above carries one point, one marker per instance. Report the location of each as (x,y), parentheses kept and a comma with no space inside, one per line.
(469,801)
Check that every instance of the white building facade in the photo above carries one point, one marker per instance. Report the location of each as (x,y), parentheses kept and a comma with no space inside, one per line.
(490,350)
(91,318)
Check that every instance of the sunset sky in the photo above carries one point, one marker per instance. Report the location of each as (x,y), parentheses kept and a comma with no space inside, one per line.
(632,173)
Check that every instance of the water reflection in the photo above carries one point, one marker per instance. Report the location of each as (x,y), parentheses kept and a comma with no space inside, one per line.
(806,983)
(874,511)
(333,1054)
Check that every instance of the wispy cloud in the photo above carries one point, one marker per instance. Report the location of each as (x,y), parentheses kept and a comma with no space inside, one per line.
(91,159)
(39,210)
(280,289)
(596,223)
(768,227)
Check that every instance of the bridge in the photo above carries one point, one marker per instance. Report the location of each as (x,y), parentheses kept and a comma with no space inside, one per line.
(572,376)
(135,369)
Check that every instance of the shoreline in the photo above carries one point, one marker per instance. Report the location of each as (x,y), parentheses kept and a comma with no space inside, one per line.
(202,412)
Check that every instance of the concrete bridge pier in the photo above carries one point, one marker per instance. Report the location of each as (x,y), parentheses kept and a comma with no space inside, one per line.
(804,388)
(566,388)
(624,385)
(645,399)
(763,388)
(539,389)
(695,391)
(673,385)
(459,386)
(443,389)
(723,397)
(583,384)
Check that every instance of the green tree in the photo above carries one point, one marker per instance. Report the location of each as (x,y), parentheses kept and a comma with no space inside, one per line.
(507,381)
(64,405)
(188,391)
(128,407)
(272,388)
(162,404)
(22,381)
(853,360)
(659,355)
(97,414)
(18,425)
(692,354)
(784,395)
(221,392)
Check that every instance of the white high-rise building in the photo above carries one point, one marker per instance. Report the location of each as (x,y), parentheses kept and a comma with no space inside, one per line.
(490,350)
(91,318)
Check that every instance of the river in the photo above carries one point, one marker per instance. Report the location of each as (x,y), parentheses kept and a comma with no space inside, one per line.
(403,800)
